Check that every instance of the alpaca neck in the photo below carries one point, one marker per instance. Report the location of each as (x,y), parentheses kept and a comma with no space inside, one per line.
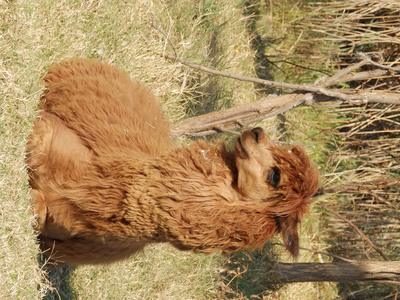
(167,184)
(197,204)
(200,170)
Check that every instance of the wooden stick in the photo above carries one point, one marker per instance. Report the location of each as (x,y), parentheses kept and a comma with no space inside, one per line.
(387,272)
(244,115)
(238,116)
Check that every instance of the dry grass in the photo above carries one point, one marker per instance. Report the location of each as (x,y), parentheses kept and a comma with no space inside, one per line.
(362,167)
(355,25)
(363,175)
(37,34)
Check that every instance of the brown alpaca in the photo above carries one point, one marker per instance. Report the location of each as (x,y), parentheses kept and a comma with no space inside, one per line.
(106,179)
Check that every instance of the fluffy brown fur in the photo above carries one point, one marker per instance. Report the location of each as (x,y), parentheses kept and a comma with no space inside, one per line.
(106,179)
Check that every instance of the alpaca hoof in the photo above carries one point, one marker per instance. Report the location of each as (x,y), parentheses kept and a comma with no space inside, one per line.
(39,209)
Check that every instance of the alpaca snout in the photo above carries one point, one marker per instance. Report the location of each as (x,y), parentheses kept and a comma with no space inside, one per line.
(240,149)
(248,140)
(251,137)
(258,134)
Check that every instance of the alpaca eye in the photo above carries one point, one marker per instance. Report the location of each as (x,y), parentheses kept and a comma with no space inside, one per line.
(274,177)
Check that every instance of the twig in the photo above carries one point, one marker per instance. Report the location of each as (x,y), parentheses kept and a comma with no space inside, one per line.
(274,84)
(336,77)
(359,97)
(222,129)
(328,254)
(358,76)
(355,97)
(154,25)
(323,253)
(358,231)
(345,76)
(353,293)
(374,63)
(310,88)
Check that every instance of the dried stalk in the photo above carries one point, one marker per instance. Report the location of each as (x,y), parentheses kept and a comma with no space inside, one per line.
(358,231)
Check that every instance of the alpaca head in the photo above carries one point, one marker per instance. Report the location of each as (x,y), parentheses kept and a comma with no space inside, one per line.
(281,179)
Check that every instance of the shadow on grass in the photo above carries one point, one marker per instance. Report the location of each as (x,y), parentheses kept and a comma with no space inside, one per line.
(244,272)
(260,44)
(59,282)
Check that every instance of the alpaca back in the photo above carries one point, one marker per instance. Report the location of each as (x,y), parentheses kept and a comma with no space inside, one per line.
(105,108)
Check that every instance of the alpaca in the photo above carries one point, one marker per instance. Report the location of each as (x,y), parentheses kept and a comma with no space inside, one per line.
(107,180)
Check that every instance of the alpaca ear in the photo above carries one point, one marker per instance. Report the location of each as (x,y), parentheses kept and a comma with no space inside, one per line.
(290,236)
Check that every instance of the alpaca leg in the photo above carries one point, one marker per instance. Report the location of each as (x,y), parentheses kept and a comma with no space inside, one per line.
(39,144)
(38,149)
(39,209)
(78,251)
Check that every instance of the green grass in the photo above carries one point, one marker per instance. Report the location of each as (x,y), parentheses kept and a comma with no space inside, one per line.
(36,34)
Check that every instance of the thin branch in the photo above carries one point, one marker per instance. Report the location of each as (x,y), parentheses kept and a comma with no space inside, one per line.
(328,254)
(323,253)
(340,74)
(315,88)
(275,84)
(353,293)
(284,85)
(357,98)
(154,25)
(358,76)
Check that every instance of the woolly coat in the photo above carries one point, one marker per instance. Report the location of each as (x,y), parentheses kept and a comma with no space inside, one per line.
(107,180)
